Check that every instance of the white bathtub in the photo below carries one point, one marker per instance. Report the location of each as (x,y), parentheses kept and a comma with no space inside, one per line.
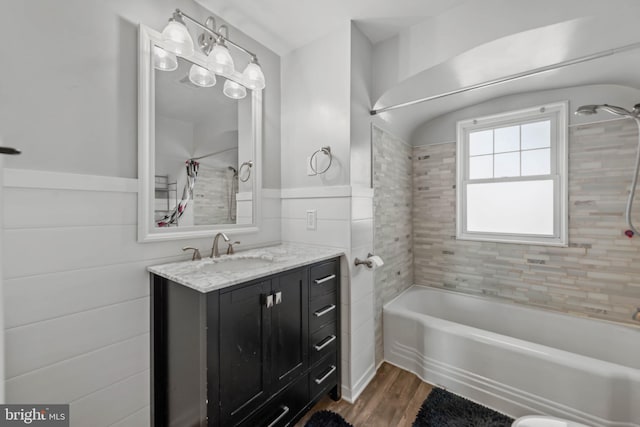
(515,359)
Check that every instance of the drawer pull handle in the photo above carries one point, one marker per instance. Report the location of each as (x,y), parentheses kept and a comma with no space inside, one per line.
(285,411)
(324,311)
(325,342)
(325,376)
(325,279)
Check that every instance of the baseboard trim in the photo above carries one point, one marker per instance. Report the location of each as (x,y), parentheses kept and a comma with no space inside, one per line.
(363,382)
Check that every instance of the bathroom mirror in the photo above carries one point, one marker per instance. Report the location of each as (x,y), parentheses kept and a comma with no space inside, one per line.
(198,149)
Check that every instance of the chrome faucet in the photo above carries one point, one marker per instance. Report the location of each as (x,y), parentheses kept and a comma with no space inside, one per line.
(215,252)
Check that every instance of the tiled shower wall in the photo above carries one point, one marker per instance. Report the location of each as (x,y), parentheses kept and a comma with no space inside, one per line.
(393,235)
(214,196)
(597,275)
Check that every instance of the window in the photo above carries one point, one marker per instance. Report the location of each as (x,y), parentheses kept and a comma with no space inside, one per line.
(512,177)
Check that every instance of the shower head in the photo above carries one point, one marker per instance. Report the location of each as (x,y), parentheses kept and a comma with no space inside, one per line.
(585,110)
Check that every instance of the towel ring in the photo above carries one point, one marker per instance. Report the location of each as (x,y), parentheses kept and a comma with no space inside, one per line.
(248,164)
(327,152)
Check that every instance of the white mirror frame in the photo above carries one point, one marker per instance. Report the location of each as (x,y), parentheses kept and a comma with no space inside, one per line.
(147,231)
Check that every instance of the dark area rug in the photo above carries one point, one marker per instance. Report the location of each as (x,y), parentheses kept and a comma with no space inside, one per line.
(444,409)
(326,419)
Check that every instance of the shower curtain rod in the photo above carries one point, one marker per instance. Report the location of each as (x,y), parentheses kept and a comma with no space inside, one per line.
(512,77)
(214,153)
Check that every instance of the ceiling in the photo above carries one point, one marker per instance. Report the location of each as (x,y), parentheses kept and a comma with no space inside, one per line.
(284,25)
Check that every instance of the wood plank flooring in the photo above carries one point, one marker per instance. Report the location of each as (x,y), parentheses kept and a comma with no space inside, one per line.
(392,398)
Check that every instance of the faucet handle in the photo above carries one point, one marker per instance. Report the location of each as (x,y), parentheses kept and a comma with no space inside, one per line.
(230,250)
(196,252)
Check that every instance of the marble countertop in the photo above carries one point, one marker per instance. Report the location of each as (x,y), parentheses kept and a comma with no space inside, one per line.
(209,274)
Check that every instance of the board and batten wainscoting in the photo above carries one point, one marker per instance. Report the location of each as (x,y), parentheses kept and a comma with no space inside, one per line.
(77,292)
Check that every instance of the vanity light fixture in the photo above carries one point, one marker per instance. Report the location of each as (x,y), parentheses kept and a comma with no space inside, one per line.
(176,36)
(212,42)
(234,90)
(163,60)
(220,60)
(201,76)
(254,75)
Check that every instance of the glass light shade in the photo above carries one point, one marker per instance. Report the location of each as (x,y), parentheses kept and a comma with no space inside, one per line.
(234,90)
(163,60)
(177,39)
(201,76)
(220,60)
(254,76)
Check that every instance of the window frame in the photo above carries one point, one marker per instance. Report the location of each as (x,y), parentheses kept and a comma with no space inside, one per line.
(557,113)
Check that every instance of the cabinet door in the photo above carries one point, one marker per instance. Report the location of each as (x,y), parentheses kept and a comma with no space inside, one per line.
(244,334)
(289,328)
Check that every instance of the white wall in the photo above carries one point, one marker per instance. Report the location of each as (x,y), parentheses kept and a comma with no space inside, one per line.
(75,280)
(315,109)
(362,331)
(326,100)
(315,113)
(360,127)
(77,296)
(87,121)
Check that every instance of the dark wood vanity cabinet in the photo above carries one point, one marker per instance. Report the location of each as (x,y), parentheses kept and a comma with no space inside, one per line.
(258,353)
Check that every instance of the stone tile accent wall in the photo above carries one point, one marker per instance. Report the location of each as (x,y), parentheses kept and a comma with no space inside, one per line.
(393,234)
(598,275)
(212,195)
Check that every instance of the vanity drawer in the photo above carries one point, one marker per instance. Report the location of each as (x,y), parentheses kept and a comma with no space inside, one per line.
(324,341)
(323,377)
(323,278)
(283,408)
(322,311)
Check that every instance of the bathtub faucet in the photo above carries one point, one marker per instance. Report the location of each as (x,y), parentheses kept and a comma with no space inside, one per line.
(636,315)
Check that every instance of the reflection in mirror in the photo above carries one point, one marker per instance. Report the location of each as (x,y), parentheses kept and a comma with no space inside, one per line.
(199,151)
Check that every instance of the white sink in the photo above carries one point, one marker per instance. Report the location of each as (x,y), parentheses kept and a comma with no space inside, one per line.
(234,265)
